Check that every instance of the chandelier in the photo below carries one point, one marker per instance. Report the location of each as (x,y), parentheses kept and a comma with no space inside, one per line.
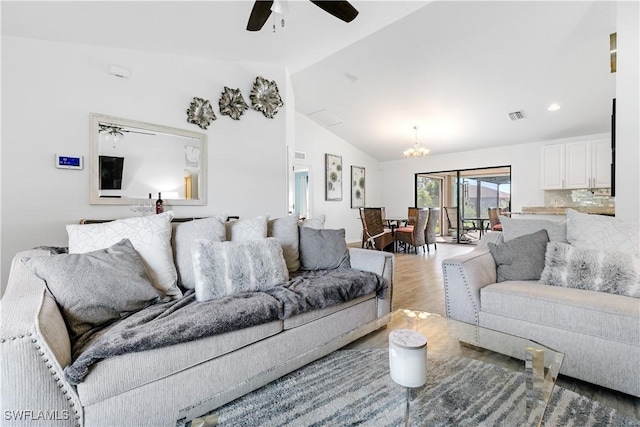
(416,150)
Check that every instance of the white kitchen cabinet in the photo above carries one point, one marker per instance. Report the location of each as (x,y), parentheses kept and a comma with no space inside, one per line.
(577,172)
(575,165)
(553,167)
(601,163)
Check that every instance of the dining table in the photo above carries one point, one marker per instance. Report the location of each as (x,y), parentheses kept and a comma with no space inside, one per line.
(393,224)
(478,222)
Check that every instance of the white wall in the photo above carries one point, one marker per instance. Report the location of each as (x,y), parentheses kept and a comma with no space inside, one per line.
(397,177)
(627,112)
(48,91)
(316,141)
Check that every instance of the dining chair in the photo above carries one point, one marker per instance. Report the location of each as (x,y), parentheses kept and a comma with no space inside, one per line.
(430,230)
(414,236)
(364,227)
(453,223)
(494,219)
(377,237)
(412,215)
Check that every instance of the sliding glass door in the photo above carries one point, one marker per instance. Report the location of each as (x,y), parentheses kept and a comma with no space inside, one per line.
(428,192)
(464,194)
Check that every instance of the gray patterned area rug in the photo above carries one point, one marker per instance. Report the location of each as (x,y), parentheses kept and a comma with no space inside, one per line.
(353,387)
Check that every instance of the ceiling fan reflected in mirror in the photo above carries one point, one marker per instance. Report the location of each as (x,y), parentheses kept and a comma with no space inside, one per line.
(262,10)
(115,132)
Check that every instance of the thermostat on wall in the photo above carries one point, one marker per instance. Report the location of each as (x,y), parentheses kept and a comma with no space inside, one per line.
(69,162)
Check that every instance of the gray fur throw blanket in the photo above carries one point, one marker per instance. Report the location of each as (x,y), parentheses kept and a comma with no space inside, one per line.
(187,319)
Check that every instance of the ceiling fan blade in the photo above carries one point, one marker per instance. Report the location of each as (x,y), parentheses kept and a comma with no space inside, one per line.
(259,15)
(340,9)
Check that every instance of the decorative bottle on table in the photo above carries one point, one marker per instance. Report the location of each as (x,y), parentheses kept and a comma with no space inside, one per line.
(159,204)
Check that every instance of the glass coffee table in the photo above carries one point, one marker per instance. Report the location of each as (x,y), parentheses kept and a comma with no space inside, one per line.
(533,365)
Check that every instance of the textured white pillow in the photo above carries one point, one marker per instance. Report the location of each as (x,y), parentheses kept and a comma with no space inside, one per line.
(516,227)
(602,232)
(245,229)
(226,268)
(149,235)
(286,231)
(184,235)
(316,222)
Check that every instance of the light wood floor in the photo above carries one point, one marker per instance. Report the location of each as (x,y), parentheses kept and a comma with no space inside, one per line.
(418,285)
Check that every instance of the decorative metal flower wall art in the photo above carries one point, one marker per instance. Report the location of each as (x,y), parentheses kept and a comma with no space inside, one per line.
(232,103)
(265,97)
(200,113)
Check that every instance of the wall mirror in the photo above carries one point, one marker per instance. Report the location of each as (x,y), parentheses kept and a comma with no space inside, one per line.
(130,160)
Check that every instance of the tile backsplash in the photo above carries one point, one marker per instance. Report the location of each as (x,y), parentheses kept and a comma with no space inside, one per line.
(571,198)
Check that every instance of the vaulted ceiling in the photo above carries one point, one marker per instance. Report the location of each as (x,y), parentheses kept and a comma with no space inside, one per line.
(455,69)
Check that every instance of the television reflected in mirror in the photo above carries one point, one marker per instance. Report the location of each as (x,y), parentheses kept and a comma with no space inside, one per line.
(111,172)
(159,159)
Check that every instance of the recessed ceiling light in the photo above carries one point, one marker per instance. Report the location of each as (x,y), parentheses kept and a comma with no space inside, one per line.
(553,107)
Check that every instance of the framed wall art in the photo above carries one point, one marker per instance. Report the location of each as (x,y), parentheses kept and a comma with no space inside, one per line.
(333,177)
(357,187)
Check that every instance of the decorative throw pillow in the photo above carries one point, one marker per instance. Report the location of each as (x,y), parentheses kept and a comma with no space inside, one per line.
(149,235)
(317,222)
(521,258)
(96,288)
(242,230)
(605,271)
(516,227)
(323,249)
(286,231)
(602,232)
(184,235)
(227,268)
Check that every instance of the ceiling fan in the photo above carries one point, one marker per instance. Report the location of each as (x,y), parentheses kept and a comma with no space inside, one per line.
(262,10)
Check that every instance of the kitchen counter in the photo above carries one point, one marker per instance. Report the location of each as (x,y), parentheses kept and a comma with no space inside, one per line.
(548,210)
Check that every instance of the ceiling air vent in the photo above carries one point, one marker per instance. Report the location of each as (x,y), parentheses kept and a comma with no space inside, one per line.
(516,115)
(299,155)
(325,118)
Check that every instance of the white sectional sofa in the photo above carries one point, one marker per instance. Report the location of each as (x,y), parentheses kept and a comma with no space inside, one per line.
(160,386)
(597,328)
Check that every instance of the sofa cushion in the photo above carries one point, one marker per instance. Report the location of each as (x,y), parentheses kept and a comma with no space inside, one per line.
(516,227)
(602,232)
(226,268)
(184,235)
(242,230)
(149,235)
(521,258)
(119,374)
(286,231)
(323,249)
(96,288)
(310,316)
(600,314)
(605,271)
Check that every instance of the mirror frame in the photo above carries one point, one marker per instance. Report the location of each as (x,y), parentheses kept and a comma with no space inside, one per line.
(94,167)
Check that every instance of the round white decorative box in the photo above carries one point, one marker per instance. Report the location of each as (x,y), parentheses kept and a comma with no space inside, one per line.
(408,357)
